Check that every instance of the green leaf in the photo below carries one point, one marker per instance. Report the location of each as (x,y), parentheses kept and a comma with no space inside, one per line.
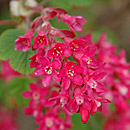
(67,4)
(78,125)
(2,90)
(19,60)
(94,123)
(81,2)
(15,88)
(71,59)
(111,36)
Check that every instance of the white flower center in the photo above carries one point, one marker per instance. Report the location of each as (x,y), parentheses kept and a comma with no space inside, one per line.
(70,73)
(49,122)
(123,90)
(48,69)
(36,95)
(79,99)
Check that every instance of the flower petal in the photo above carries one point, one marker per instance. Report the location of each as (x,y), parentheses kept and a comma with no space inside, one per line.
(33,87)
(46,80)
(55,77)
(26,94)
(39,71)
(45,61)
(73,106)
(67,52)
(61,73)
(84,113)
(78,69)
(66,83)
(56,64)
(77,79)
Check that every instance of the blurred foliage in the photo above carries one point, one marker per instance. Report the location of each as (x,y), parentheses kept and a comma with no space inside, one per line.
(2,91)
(67,4)
(11,93)
(5,15)
(94,123)
(15,88)
(111,36)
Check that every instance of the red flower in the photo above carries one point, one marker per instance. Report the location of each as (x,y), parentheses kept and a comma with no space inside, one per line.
(61,99)
(36,94)
(48,69)
(80,102)
(71,73)
(52,121)
(75,45)
(24,42)
(40,40)
(36,59)
(74,22)
(58,50)
(93,80)
(87,60)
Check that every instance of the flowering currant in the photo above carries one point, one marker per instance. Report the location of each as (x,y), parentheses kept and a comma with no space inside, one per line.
(24,42)
(48,69)
(71,73)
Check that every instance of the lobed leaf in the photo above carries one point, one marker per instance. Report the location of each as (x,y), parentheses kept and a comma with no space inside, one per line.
(19,61)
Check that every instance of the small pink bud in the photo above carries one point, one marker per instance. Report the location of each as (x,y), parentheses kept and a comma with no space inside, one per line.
(84,114)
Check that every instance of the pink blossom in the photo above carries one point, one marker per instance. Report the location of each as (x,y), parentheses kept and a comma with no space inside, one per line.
(52,12)
(87,60)
(48,69)
(62,33)
(61,99)
(40,41)
(37,22)
(93,81)
(8,120)
(76,45)
(24,42)
(74,22)
(36,94)
(82,102)
(33,111)
(51,121)
(36,58)
(71,73)
(58,50)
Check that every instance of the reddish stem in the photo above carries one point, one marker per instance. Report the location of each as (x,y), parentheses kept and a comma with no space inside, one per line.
(7,22)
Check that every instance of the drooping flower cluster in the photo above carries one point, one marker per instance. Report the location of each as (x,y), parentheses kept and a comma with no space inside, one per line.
(70,63)
(117,83)
(40,108)
(118,73)
(118,121)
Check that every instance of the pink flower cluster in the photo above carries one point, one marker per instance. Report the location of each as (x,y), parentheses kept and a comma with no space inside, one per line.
(41,109)
(7,120)
(117,82)
(118,73)
(78,75)
(70,63)
(118,121)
